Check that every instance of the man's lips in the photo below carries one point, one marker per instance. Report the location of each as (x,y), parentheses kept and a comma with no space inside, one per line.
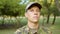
(35,17)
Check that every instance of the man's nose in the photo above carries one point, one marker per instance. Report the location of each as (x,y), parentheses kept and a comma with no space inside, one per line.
(35,13)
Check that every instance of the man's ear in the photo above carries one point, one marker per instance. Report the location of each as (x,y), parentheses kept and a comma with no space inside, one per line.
(26,15)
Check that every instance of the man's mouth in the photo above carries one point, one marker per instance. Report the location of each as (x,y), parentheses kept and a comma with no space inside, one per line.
(35,17)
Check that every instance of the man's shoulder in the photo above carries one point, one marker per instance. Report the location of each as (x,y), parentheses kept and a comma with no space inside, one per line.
(20,30)
(46,29)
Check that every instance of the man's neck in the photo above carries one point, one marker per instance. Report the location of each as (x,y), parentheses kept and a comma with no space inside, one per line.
(33,25)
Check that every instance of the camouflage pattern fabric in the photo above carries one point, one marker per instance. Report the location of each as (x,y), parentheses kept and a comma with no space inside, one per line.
(25,30)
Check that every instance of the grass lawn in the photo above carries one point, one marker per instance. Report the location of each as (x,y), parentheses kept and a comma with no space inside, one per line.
(7,31)
(54,28)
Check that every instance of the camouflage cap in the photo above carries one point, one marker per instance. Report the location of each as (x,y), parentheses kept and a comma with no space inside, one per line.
(32,4)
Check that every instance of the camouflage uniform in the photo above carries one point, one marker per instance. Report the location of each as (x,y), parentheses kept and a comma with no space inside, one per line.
(25,30)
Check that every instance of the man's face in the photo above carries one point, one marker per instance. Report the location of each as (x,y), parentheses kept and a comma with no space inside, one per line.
(33,14)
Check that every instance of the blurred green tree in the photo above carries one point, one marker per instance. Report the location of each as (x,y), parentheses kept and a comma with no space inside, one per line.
(9,8)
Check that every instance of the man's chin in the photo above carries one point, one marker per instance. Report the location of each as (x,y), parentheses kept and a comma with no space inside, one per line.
(35,21)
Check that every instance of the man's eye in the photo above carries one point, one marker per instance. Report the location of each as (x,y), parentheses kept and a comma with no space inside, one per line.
(31,10)
(37,10)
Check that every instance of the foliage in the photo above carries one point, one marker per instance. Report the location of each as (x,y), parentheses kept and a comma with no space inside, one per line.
(10,7)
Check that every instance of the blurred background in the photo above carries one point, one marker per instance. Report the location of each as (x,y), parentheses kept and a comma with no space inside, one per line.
(12,15)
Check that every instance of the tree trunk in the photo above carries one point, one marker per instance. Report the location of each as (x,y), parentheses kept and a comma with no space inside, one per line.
(54,20)
(48,18)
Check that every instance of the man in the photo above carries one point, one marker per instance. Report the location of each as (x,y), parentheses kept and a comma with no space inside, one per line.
(33,27)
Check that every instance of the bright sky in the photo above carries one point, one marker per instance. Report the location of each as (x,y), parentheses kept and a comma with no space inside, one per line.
(24,1)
